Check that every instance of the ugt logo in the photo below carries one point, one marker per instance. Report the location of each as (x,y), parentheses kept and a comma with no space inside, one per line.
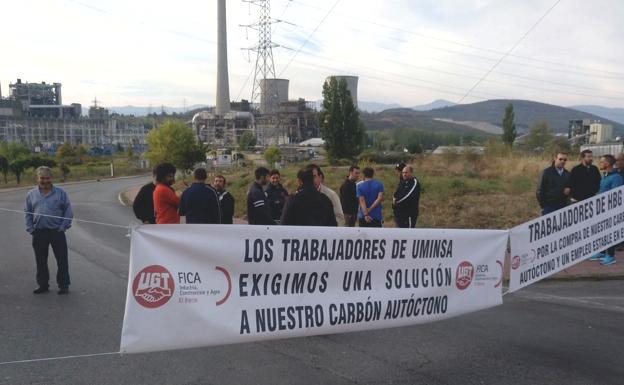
(465,273)
(153,286)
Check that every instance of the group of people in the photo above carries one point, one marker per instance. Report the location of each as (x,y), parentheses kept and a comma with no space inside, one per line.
(157,202)
(269,203)
(558,187)
(48,211)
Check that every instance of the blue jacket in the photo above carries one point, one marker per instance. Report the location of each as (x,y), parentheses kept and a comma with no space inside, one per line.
(612,180)
(55,204)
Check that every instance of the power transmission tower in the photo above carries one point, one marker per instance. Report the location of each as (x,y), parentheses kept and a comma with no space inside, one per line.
(265,68)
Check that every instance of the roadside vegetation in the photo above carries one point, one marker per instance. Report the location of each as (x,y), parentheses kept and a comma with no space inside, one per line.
(493,191)
(70,163)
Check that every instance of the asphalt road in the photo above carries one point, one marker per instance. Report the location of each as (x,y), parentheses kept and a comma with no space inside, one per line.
(551,333)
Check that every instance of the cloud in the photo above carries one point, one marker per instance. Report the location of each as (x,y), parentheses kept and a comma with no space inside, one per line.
(155,52)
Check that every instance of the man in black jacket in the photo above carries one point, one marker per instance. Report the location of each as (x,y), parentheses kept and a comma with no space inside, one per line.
(399,170)
(348,198)
(257,200)
(199,203)
(226,200)
(552,186)
(584,178)
(619,164)
(406,199)
(143,205)
(308,206)
(277,195)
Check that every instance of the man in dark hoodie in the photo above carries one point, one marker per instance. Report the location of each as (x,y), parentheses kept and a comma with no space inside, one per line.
(143,205)
(553,185)
(308,206)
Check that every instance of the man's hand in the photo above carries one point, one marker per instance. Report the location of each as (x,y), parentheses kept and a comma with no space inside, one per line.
(566,191)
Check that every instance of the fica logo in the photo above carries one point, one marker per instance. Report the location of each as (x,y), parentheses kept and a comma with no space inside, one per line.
(153,286)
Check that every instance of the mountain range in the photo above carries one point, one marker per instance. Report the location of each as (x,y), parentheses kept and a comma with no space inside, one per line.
(481,118)
(144,111)
(615,114)
(485,117)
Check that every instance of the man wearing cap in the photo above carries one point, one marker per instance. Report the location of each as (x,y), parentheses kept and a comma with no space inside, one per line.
(399,170)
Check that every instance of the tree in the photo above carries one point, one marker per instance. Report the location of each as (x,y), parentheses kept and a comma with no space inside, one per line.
(175,143)
(35,161)
(13,151)
(509,127)
(538,138)
(272,155)
(65,151)
(17,167)
(65,170)
(340,123)
(246,141)
(4,168)
(558,144)
(16,155)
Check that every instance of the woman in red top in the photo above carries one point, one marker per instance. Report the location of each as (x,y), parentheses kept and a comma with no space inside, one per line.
(166,201)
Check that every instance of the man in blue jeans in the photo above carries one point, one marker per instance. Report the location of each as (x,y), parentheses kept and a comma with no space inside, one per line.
(48,216)
(611,180)
(370,195)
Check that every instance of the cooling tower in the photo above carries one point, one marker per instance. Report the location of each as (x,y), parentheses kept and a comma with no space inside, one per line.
(272,93)
(352,83)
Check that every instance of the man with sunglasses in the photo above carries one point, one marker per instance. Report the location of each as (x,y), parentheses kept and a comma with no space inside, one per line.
(553,185)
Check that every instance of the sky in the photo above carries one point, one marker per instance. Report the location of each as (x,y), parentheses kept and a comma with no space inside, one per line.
(409,52)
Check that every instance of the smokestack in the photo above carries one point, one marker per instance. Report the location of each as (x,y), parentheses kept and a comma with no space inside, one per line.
(223,86)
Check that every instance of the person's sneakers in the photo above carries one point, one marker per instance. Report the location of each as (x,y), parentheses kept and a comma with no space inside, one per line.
(40,290)
(607,260)
(63,291)
(597,257)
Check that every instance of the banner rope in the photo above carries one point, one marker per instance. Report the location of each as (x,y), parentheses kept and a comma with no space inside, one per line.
(72,219)
(57,358)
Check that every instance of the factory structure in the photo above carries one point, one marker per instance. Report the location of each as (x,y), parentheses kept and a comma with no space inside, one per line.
(34,114)
(590,132)
(272,116)
(595,136)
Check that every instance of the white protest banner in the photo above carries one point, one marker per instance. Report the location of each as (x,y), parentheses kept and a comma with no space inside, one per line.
(202,285)
(556,241)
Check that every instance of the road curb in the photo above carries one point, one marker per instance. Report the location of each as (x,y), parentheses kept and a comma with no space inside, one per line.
(13,189)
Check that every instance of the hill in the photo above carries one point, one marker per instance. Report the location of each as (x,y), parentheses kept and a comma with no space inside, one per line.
(615,114)
(408,118)
(440,103)
(144,111)
(527,114)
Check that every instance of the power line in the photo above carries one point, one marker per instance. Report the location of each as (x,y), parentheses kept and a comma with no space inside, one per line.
(510,50)
(470,46)
(309,37)
(402,75)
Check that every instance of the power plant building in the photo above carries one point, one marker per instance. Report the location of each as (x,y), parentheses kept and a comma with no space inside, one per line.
(34,115)
(278,120)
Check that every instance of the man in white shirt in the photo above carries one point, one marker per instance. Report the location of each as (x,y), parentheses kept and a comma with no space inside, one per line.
(331,194)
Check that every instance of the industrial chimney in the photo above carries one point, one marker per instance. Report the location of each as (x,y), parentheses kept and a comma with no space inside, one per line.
(223,86)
